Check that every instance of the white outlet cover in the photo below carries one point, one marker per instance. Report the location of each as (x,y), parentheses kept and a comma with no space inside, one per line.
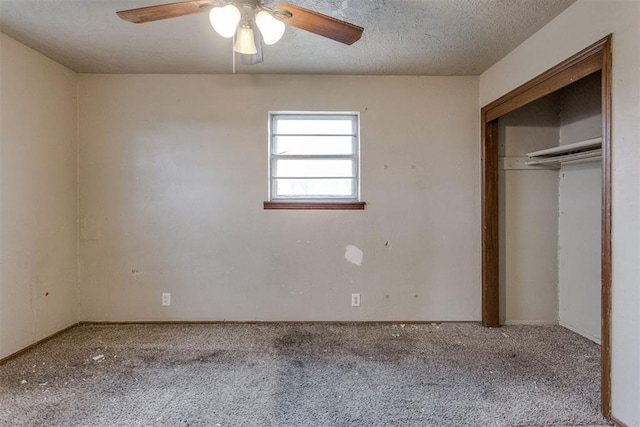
(166,300)
(355,300)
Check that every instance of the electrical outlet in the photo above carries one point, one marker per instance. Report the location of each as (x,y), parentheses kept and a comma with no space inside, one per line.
(166,300)
(355,300)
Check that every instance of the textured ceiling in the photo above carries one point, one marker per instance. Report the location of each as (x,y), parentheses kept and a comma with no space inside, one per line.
(414,37)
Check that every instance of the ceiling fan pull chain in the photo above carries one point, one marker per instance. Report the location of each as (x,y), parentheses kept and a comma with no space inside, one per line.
(233,55)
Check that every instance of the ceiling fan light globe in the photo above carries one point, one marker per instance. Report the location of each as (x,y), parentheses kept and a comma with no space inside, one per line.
(270,28)
(245,43)
(225,20)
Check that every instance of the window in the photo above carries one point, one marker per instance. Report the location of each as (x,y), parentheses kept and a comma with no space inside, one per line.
(314,160)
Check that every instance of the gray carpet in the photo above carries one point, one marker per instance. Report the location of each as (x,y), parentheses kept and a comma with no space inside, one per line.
(305,375)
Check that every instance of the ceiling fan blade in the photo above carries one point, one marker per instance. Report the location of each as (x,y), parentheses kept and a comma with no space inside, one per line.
(323,25)
(164,11)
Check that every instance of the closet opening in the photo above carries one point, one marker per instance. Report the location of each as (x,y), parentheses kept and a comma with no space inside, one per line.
(546,202)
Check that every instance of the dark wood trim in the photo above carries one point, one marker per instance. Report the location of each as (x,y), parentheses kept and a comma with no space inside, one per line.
(42,341)
(316,205)
(580,65)
(276,322)
(606,266)
(596,57)
(490,230)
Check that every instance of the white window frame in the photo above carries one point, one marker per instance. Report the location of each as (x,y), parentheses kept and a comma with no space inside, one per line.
(355,116)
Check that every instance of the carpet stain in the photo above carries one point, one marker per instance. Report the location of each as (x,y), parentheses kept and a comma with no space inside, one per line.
(292,340)
(208,357)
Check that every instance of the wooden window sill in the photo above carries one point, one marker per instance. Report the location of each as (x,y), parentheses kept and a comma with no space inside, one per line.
(315,205)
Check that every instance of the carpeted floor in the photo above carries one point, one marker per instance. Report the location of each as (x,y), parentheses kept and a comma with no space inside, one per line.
(305,375)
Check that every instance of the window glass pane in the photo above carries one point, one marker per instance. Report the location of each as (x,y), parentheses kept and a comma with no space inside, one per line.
(321,126)
(303,168)
(311,188)
(314,155)
(313,145)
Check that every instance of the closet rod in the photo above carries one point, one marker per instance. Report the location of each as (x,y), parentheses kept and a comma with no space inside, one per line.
(568,148)
(566,157)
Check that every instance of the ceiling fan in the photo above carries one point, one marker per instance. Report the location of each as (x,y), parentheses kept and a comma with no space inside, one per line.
(239,18)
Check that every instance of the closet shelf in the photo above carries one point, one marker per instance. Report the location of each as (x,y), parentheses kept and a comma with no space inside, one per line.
(591,148)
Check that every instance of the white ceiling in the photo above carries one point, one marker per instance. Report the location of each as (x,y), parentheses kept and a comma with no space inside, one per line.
(414,37)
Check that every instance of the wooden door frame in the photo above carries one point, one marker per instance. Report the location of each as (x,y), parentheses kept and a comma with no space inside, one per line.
(596,57)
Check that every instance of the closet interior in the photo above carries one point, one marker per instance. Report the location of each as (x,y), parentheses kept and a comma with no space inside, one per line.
(550,210)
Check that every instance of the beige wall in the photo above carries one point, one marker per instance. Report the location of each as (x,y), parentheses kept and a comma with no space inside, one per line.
(577,27)
(174,172)
(579,236)
(38,239)
(528,219)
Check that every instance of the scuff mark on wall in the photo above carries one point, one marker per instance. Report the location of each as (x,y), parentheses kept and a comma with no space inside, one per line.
(353,255)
